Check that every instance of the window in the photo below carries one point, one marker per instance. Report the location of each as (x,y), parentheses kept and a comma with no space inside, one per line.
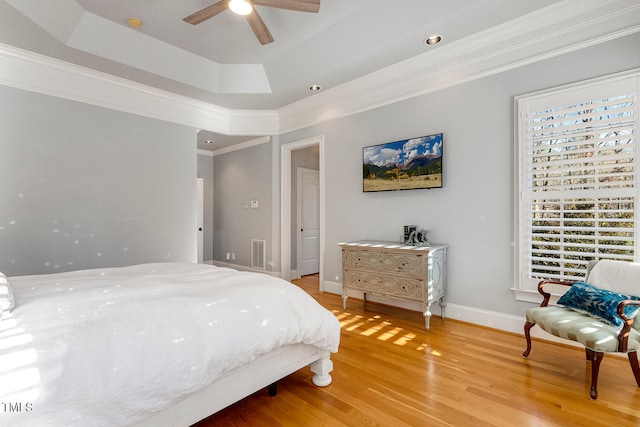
(578,178)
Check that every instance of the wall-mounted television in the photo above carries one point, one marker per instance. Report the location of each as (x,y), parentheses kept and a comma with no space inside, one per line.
(408,164)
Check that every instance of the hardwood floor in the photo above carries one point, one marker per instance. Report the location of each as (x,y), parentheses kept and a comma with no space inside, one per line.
(389,371)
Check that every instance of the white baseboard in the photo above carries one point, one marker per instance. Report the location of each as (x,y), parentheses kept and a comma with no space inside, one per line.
(332,287)
(487,318)
(244,268)
(490,319)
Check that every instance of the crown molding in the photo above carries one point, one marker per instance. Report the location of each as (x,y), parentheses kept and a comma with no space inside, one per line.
(202,152)
(81,29)
(561,28)
(30,71)
(564,27)
(242,145)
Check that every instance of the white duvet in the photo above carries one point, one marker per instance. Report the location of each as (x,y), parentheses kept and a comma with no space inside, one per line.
(106,347)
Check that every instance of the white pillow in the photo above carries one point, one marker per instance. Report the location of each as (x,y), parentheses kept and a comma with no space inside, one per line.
(7,300)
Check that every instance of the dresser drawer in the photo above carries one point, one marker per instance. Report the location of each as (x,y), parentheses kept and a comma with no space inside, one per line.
(375,283)
(409,264)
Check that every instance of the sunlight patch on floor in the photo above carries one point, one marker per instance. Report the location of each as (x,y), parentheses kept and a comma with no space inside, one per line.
(375,327)
(389,334)
(404,340)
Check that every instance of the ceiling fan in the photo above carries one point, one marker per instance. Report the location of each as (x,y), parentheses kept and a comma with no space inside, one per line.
(245,7)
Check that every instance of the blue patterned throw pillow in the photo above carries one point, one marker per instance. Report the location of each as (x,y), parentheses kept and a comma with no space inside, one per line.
(597,302)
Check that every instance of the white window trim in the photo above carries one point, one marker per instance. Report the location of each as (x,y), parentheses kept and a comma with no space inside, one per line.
(522,292)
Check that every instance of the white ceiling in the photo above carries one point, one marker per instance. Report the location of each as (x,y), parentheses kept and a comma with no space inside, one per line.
(345,40)
(221,62)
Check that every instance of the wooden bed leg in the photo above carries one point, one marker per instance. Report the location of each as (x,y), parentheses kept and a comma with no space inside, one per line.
(273,389)
(527,333)
(321,369)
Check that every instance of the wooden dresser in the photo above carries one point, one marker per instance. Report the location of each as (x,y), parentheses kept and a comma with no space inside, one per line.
(395,270)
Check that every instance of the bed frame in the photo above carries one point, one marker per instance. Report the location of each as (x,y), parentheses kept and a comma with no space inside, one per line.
(243,381)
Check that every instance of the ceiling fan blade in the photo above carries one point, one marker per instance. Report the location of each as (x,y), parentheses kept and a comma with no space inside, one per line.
(208,12)
(259,28)
(297,5)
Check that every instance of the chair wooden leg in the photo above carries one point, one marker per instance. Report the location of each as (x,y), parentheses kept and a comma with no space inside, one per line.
(527,333)
(595,357)
(633,359)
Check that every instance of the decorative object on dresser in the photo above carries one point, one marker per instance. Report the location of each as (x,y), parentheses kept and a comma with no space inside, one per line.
(418,238)
(396,270)
(408,229)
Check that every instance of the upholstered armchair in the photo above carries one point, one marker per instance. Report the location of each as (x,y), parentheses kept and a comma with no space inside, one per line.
(598,313)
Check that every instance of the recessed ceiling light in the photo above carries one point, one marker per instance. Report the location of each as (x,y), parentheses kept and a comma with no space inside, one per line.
(135,23)
(314,88)
(209,141)
(434,39)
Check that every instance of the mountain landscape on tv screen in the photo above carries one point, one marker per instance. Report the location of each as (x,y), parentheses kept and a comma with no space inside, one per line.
(420,165)
(403,165)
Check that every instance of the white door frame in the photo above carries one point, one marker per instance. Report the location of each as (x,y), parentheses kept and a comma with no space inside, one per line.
(285,204)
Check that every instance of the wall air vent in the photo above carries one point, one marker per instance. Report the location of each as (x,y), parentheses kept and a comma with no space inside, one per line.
(258,254)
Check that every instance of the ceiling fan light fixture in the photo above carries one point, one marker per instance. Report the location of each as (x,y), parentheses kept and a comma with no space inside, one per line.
(240,7)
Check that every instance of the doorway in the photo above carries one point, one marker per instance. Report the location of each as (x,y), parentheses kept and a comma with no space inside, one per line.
(200,219)
(286,217)
(308,222)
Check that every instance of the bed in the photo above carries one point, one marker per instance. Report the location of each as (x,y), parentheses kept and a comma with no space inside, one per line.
(152,344)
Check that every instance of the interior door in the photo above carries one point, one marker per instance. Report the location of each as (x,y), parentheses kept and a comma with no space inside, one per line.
(309,220)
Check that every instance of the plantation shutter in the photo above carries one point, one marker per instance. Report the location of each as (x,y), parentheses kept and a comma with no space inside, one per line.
(578,179)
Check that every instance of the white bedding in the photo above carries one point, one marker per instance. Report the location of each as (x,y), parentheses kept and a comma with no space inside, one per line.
(106,347)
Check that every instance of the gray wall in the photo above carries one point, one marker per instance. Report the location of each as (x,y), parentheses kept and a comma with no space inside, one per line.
(473,213)
(205,171)
(240,177)
(84,186)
